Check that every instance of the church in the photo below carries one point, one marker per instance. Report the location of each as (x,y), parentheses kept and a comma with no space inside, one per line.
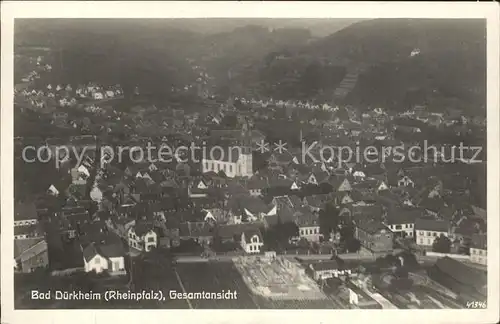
(234,161)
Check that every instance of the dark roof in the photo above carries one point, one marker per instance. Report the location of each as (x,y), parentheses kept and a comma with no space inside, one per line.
(20,246)
(271,220)
(479,241)
(249,233)
(25,211)
(107,250)
(325,265)
(256,183)
(403,215)
(306,218)
(198,229)
(252,204)
(373,212)
(142,228)
(432,204)
(428,224)
(229,231)
(372,226)
(462,273)
(30,230)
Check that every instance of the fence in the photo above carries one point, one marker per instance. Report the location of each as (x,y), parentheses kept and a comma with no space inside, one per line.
(65,272)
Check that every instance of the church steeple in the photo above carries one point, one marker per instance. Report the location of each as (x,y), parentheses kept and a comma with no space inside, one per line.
(246,138)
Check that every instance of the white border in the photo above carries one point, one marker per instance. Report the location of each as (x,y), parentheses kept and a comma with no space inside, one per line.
(140,9)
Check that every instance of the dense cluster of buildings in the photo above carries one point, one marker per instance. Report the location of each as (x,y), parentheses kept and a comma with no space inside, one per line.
(93,214)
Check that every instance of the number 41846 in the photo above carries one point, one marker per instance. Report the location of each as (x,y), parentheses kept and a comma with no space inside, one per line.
(476,304)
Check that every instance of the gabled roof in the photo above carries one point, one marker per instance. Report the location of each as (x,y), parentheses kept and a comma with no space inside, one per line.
(249,233)
(106,250)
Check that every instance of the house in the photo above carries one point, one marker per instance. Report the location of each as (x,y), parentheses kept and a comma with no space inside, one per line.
(327,269)
(401,221)
(32,256)
(427,230)
(405,181)
(251,241)
(478,250)
(142,237)
(308,224)
(255,185)
(374,236)
(105,257)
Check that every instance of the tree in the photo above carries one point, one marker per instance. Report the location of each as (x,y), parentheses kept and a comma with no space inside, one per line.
(442,244)
(352,245)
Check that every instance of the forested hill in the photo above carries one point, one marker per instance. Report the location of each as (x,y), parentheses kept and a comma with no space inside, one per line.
(369,60)
(448,66)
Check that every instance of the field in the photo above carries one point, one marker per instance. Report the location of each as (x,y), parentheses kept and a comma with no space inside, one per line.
(214,277)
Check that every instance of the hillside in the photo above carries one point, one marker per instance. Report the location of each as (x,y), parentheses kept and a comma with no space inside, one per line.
(367,63)
(375,56)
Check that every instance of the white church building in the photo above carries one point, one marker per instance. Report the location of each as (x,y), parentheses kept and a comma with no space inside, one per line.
(234,161)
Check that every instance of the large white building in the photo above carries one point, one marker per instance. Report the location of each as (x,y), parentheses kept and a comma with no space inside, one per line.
(427,230)
(234,161)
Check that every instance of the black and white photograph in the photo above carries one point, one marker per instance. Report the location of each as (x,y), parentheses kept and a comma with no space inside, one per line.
(251,163)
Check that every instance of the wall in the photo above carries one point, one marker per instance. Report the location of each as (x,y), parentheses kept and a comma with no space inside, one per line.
(442,255)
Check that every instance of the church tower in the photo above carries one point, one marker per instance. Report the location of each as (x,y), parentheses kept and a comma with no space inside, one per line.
(245,166)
